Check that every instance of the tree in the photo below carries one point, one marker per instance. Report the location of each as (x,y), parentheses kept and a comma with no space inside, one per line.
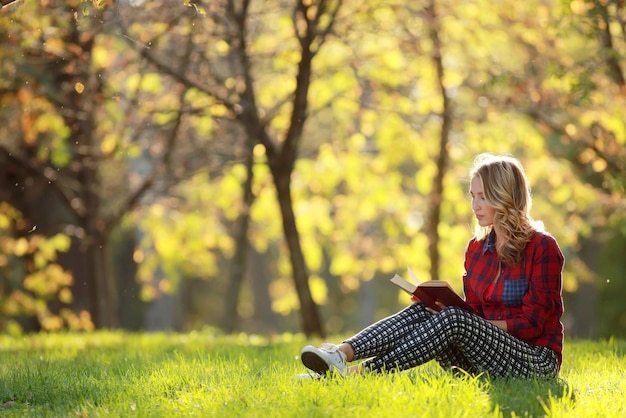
(436,197)
(277,126)
(313,22)
(61,144)
(239,260)
(356,121)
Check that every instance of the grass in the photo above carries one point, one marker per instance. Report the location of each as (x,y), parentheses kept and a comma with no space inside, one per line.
(111,374)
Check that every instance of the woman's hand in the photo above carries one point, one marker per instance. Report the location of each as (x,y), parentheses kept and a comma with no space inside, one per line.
(500,324)
(440,305)
(431,310)
(415,299)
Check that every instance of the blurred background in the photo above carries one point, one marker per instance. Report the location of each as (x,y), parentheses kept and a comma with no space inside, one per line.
(267,166)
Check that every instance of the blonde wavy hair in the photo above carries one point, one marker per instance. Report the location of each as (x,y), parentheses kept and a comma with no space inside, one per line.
(506,189)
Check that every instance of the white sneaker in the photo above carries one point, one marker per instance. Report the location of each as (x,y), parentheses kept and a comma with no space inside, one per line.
(308,376)
(326,358)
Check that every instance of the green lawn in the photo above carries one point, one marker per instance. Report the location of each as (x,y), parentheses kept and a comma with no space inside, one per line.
(202,374)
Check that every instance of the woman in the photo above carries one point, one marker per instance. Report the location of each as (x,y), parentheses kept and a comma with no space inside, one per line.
(512,279)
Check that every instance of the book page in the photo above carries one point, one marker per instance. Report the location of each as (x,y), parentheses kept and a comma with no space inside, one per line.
(412,276)
(403,284)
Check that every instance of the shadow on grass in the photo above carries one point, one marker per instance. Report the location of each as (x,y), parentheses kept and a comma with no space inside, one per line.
(509,396)
(512,397)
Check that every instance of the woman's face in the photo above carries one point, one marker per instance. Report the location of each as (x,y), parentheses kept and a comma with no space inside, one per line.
(484,211)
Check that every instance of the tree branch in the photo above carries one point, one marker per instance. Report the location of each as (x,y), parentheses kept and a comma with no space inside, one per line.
(166,157)
(611,54)
(613,166)
(6,2)
(49,175)
(248,115)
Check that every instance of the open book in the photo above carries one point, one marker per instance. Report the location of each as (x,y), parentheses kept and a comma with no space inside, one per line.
(431,291)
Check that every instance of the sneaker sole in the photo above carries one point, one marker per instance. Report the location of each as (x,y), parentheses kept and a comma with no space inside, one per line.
(303,377)
(314,362)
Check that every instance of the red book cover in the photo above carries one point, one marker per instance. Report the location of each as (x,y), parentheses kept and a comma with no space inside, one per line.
(432,291)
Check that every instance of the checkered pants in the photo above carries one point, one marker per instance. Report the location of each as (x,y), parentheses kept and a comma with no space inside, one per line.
(455,339)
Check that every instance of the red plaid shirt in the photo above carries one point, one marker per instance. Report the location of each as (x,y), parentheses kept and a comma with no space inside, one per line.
(527,295)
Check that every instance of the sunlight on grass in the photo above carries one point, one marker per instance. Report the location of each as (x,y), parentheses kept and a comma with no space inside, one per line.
(116,374)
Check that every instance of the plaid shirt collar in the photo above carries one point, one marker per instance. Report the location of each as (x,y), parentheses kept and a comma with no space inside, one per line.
(490,242)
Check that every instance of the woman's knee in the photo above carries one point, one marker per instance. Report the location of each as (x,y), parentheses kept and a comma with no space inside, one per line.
(416,311)
(455,319)
(454,313)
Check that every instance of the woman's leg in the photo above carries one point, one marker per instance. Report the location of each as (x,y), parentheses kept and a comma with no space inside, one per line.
(450,336)
(380,337)
(453,359)
(375,340)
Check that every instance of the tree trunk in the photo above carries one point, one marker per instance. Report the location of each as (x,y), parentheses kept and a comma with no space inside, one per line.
(309,313)
(124,270)
(80,118)
(238,263)
(367,303)
(104,311)
(313,22)
(162,312)
(581,306)
(436,195)
(265,320)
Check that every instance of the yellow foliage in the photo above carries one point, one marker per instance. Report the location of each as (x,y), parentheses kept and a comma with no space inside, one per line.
(615,124)
(79,87)
(222,47)
(65,296)
(452,79)
(13,328)
(20,247)
(350,283)
(341,263)
(424,178)
(319,291)
(375,108)
(218,110)
(4,221)
(132,82)
(55,46)
(387,264)
(332,57)
(393,59)
(147,293)
(101,57)
(108,144)
(166,247)
(49,121)
(284,299)
(151,83)
(51,322)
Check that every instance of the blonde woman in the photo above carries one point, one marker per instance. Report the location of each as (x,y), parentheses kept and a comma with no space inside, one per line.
(512,279)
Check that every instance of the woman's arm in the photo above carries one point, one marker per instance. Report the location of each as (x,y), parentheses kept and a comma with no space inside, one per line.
(500,324)
(543,299)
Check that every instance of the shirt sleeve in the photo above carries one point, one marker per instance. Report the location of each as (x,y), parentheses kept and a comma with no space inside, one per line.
(470,295)
(543,299)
